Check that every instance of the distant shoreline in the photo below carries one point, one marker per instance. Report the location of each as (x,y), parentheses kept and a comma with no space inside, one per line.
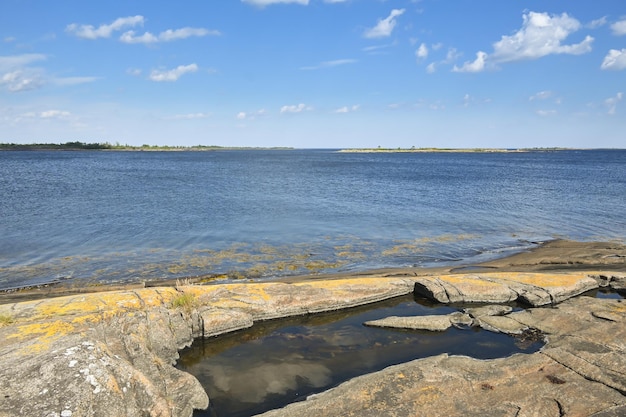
(81,146)
(452,150)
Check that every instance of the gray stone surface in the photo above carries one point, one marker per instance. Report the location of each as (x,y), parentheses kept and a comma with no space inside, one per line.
(430,323)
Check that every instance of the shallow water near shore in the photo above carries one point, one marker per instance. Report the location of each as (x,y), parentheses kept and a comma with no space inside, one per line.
(281,361)
(92,218)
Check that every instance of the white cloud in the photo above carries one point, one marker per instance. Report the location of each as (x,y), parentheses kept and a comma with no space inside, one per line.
(377,49)
(614,60)
(611,102)
(16,61)
(467,99)
(542,95)
(242,115)
(422,51)
(16,76)
(190,116)
(546,113)
(174,74)
(540,35)
(104,31)
(263,3)
(328,64)
(54,114)
(346,109)
(130,37)
(384,27)
(65,81)
(295,108)
(477,65)
(619,28)
(21,80)
(451,56)
(594,24)
(166,36)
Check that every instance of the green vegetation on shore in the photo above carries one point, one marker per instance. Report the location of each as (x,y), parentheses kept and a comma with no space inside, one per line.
(81,146)
(469,150)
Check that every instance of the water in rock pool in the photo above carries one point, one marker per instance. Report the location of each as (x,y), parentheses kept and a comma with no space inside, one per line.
(88,218)
(282,361)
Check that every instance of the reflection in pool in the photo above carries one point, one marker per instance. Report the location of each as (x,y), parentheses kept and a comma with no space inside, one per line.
(281,361)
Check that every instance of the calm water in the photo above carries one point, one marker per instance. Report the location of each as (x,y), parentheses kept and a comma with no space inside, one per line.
(278,362)
(86,217)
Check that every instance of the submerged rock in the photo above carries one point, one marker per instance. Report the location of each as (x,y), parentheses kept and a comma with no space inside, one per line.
(431,323)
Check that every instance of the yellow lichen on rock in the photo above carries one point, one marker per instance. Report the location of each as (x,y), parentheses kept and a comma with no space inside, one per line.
(543,279)
(44,333)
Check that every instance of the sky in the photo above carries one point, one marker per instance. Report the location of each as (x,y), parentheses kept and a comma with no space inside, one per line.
(315,73)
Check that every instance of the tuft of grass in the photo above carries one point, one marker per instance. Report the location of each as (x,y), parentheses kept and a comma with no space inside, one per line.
(185,301)
(5,320)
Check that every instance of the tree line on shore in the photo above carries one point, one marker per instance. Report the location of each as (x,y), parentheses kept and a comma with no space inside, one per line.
(70,146)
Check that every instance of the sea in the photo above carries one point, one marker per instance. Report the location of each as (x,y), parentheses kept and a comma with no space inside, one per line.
(113,217)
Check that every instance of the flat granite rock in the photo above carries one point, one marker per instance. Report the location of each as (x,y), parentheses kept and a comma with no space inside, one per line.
(521,385)
(112,353)
(535,289)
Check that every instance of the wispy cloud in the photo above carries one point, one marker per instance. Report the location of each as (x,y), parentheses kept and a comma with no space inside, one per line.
(167,36)
(242,115)
(546,113)
(296,108)
(16,74)
(346,109)
(263,3)
(130,36)
(385,26)
(189,116)
(54,114)
(378,49)
(594,24)
(104,30)
(173,74)
(542,95)
(611,103)
(22,80)
(67,81)
(329,64)
(614,60)
(16,61)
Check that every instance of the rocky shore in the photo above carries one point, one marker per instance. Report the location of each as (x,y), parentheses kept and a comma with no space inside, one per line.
(111,353)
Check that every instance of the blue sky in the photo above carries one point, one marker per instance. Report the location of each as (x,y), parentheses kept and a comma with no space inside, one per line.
(315,73)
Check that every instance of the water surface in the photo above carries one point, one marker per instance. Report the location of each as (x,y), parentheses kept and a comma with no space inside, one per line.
(281,361)
(90,217)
